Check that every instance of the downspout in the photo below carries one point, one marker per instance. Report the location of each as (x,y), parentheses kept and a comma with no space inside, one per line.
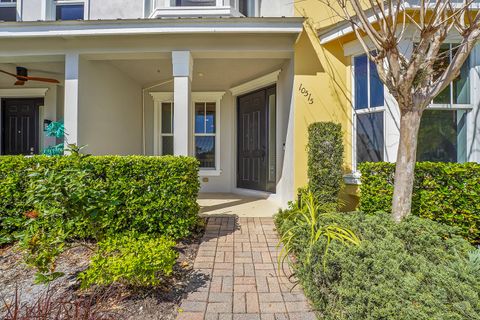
(143,111)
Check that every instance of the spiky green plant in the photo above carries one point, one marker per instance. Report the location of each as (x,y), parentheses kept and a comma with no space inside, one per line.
(308,225)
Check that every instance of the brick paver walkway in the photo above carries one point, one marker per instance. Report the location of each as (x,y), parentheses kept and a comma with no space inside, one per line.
(239,256)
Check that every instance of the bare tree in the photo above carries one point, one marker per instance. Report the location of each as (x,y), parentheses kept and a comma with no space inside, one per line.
(412,78)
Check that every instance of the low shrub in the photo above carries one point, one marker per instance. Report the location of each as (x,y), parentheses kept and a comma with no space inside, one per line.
(51,201)
(417,269)
(325,160)
(146,194)
(132,259)
(444,192)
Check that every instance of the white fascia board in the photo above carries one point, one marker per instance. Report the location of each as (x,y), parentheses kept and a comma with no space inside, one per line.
(345,28)
(224,11)
(342,30)
(159,26)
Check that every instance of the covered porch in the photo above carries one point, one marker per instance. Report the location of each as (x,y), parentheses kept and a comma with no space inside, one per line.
(182,94)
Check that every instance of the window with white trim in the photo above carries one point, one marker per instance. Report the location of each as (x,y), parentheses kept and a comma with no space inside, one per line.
(166,133)
(205,145)
(206,131)
(442,135)
(369,101)
(163,123)
(69,10)
(8,10)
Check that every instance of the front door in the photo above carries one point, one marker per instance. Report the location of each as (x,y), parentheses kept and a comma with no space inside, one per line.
(254,120)
(20,127)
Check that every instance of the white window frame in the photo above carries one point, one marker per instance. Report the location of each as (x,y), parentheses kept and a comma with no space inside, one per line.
(159,98)
(11,4)
(451,105)
(458,107)
(208,97)
(366,110)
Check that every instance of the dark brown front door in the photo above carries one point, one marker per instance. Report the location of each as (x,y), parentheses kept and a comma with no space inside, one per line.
(253,141)
(20,127)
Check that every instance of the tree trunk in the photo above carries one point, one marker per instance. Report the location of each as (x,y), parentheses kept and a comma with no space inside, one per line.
(405,167)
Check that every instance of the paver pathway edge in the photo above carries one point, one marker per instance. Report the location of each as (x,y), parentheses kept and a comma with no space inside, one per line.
(239,256)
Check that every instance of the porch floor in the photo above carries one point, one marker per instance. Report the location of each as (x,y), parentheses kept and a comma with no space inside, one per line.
(221,204)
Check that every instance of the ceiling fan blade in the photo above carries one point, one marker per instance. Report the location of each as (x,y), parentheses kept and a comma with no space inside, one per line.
(39,79)
(10,74)
(45,71)
(19,83)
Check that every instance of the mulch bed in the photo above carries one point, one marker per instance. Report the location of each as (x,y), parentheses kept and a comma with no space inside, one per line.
(115,302)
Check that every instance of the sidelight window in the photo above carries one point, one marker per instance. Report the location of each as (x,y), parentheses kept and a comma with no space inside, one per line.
(166,135)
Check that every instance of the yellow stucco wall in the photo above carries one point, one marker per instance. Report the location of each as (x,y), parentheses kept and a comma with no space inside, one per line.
(323,72)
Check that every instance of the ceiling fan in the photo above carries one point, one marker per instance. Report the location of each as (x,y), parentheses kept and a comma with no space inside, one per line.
(22,77)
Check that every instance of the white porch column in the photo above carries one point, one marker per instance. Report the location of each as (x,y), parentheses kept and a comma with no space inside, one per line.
(182,73)
(71,97)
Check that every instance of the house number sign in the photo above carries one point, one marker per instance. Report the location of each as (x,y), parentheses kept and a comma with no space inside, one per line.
(307,94)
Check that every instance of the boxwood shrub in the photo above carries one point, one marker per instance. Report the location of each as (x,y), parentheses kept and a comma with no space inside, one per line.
(154,195)
(444,192)
(416,269)
(325,159)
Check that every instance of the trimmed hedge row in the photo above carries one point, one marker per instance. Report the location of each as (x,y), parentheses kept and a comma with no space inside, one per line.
(146,194)
(325,160)
(444,192)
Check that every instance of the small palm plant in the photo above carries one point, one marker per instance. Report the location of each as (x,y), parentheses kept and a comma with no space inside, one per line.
(308,225)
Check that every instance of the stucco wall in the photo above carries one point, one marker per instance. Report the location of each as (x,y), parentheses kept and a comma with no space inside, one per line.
(321,94)
(110,113)
(116,9)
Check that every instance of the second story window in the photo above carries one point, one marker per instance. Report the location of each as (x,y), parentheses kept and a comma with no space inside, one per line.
(193,3)
(8,10)
(247,7)
(69,10)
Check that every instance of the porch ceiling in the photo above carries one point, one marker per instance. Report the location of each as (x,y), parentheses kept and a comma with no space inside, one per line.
(208,74)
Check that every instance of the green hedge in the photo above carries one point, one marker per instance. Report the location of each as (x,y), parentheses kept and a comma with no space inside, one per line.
(325,160)
(445,192)
(145,194)
(417,269)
